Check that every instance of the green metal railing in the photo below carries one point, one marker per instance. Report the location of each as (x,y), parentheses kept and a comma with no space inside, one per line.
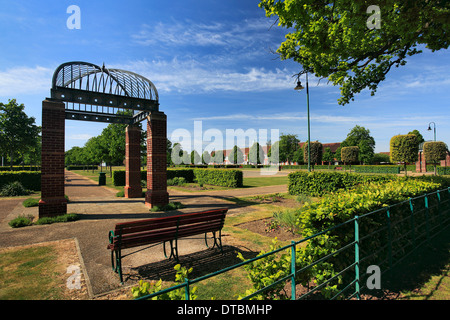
(407,225)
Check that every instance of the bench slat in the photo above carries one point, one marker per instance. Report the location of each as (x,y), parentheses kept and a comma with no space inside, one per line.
(149,231)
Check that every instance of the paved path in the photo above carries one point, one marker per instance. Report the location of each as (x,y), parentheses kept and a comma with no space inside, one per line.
(101,210)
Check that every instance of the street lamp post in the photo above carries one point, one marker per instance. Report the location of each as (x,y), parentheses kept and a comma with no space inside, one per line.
(429,129)
(298,88)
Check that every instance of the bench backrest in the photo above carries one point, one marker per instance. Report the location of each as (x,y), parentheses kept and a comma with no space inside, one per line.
(169,228)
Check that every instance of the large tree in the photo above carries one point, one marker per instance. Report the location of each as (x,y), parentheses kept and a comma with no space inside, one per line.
(355,44)
(360,137)
(435,151)
(404,148)
(286,146)
(256,154)
(18,132)
(236,156)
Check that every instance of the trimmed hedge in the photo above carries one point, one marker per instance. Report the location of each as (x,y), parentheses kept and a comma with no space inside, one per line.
(340,207)
(29,179)
(443,170)
(320,183)
(377,169)
(188,174)
(21,168)
(219,177)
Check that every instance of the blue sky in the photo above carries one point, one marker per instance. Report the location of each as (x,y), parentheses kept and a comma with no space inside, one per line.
(211,61)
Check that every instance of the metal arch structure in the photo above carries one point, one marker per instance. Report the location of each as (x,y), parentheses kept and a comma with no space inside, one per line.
(94,93)
(85,91)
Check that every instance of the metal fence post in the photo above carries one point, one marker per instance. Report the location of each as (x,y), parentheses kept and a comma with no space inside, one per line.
(413,235)
(357,288)
(388,215)
(186,289)
(427,217)
(293,290)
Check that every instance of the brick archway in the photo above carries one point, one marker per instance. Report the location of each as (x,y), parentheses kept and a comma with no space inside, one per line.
(84,91)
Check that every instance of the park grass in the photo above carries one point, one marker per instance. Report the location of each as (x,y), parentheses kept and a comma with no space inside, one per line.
(94,176)
(251,182)
(248,182)
(29,274)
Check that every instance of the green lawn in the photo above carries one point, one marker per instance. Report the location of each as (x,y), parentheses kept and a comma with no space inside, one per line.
(248,182)
(29,274)
(265,181)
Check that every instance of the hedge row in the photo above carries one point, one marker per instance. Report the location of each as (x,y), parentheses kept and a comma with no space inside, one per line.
(21,168)
(377,169)
(340,207)
(443,170)
(118,176)
(226,178)
(29,179)
(320,183)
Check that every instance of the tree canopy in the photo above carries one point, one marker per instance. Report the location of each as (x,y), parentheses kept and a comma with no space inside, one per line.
(339,41)
(360,137)
(404,148)
(256,154)
(18,133)
(236,156)
(285,149)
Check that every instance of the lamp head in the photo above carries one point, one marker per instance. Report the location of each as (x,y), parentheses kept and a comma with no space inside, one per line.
(299,86)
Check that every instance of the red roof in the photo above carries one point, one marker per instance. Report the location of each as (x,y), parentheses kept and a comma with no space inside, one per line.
(333,146)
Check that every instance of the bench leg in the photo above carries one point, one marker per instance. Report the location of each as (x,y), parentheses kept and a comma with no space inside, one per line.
(116,263)
(217,240)
(173,250)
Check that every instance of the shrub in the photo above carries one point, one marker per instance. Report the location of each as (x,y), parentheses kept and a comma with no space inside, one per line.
(342,206)
(319,183)
(30,202)
(378,169)
(61,218)
(120,194)
(434,151)
(21,221)
(331,211)
(404,148)
(146,288)
(118,177)
(30,180)
(443,170)
(168,207)
(219,177)
(187,174)
(176,181)
(14,189)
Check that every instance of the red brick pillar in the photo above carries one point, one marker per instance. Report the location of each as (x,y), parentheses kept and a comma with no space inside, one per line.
(52,201)
(156,160)
(133,187)
(419,162)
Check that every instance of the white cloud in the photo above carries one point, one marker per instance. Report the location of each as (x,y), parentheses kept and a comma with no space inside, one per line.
(25,80)
(190,33)
(80,136)
(192,76)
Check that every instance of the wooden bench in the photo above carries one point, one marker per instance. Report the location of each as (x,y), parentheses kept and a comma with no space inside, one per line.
(161,230)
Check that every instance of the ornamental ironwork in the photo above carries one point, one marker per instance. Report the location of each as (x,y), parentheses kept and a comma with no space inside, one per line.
(94,93)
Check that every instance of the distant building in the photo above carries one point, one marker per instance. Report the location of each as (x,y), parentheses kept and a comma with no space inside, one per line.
(333,147)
